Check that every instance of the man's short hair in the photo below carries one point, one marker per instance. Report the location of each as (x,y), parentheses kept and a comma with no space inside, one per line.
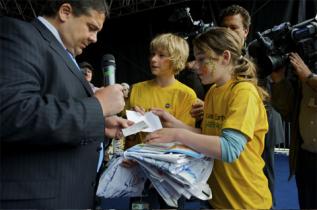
(235,10)
(80,7)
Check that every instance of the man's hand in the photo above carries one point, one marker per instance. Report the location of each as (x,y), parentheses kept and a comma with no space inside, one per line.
(300,67)
(114,124)
(197,111)
(111,99)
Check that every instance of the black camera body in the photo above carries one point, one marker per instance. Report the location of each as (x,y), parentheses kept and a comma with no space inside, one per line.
(270,49)
(185,25)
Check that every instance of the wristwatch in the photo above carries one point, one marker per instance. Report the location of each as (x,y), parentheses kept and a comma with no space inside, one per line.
(311,75)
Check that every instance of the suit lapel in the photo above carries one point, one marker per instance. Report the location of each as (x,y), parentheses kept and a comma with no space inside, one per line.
(59,49)
(71,65)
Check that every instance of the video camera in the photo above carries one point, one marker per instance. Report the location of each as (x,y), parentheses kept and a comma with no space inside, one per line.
(271,48)
(187,25)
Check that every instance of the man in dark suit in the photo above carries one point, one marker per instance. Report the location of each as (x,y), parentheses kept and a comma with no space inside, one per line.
(52,125)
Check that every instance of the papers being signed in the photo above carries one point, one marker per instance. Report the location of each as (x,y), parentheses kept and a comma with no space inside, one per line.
(135,128)
(148,122)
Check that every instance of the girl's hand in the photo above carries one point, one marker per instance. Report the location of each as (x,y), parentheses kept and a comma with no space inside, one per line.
(168,120)
(164,135)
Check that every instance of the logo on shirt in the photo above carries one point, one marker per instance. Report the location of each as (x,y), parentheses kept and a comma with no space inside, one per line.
(214,121)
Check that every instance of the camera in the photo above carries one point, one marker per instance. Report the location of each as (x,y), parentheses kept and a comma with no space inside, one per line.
(187,27)
(270,49)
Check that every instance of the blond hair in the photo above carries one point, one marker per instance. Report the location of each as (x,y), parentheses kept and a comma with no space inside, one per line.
(177,48)
(220,39)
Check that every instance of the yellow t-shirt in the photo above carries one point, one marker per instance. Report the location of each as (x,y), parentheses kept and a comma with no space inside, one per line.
(176,98)
(241,184)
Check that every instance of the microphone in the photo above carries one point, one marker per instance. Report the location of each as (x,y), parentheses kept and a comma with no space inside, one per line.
(108,66)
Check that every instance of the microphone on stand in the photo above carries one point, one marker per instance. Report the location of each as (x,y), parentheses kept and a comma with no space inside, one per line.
(108,66)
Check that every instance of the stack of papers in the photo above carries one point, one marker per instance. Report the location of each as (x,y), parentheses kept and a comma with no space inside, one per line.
(174,170)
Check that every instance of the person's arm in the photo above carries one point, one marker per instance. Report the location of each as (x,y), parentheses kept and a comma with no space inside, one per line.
(226,147)
(169,121)
(205,144)
(303,72)
(232,144)
(311,81)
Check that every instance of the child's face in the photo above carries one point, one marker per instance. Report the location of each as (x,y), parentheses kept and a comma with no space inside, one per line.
(206,67)
(160,63)
(212,68)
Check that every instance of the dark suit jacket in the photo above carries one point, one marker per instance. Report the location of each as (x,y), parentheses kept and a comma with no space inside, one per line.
(51,127)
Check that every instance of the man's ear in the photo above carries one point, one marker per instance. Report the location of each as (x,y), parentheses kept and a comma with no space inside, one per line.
(246,32)
(226,57)
(64,12)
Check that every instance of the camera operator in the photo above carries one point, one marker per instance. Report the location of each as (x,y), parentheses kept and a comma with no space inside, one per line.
(237,19)
(303,148)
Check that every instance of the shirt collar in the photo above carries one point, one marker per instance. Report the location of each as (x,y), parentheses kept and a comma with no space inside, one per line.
(52,29)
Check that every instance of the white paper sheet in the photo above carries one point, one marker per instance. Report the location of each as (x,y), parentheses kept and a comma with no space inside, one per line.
(151,120)
(135,128)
